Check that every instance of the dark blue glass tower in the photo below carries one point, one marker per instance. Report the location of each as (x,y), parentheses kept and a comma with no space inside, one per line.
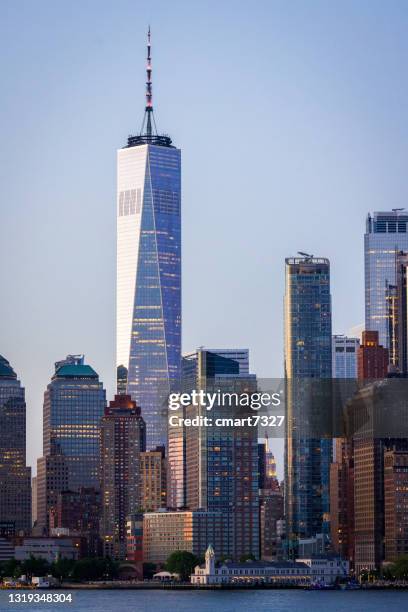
(308,360)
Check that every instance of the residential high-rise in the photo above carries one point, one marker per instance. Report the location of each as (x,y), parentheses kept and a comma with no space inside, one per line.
(153,470)
(308,358)
(79,512)
(342,499)
(74,402)
(386,234)
(15,476)
(372,358)
(344,356)
(149,269)
(122,441)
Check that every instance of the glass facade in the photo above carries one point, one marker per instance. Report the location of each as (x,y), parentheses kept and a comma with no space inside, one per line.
(149,278)
(15,477)
(308,355)
(386,234)
(74,404)
(222,462)
(344,356)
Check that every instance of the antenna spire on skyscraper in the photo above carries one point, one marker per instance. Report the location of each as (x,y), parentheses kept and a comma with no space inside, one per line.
(149,93)
(148,132)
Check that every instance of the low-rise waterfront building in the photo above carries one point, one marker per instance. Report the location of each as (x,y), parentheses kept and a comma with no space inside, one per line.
(6,549)
(50,549)
(326,570)
(322,570)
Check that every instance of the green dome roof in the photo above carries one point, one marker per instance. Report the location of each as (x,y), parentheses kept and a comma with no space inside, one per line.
(75,371)
(6,371)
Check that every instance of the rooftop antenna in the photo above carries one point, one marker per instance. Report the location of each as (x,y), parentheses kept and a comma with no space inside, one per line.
(148,132)
(148,119)
(305,255)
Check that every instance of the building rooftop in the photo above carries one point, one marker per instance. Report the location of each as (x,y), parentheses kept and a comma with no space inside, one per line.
(6,371)
(75,371)
(264,564)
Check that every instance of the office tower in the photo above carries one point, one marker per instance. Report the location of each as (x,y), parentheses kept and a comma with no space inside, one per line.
(74,402)
(121,380)
(372,358)
(153,469)
(395,504)
(165,532)
(15,476)
(122,440)
(149,269)
(176,480)
(344,356)
(222,461)
(78,514)
(308,357)
(368,455)
(241,356)
(386,234)
(267,467)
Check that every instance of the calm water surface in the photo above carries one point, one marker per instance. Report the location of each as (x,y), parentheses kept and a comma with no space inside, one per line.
(213,601)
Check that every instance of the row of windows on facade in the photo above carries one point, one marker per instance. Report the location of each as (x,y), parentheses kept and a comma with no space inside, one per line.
(130,202)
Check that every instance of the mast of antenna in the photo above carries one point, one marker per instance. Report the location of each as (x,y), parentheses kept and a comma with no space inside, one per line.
(149,94)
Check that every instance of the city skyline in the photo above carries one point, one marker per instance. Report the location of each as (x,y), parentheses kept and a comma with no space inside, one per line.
(70,324)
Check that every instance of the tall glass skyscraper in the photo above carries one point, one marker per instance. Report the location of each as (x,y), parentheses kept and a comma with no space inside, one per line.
(386,234)
(149,268)
(15,476)
(308,359)
(74,404)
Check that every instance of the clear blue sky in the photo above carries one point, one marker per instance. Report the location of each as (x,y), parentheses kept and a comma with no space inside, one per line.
(292,118)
